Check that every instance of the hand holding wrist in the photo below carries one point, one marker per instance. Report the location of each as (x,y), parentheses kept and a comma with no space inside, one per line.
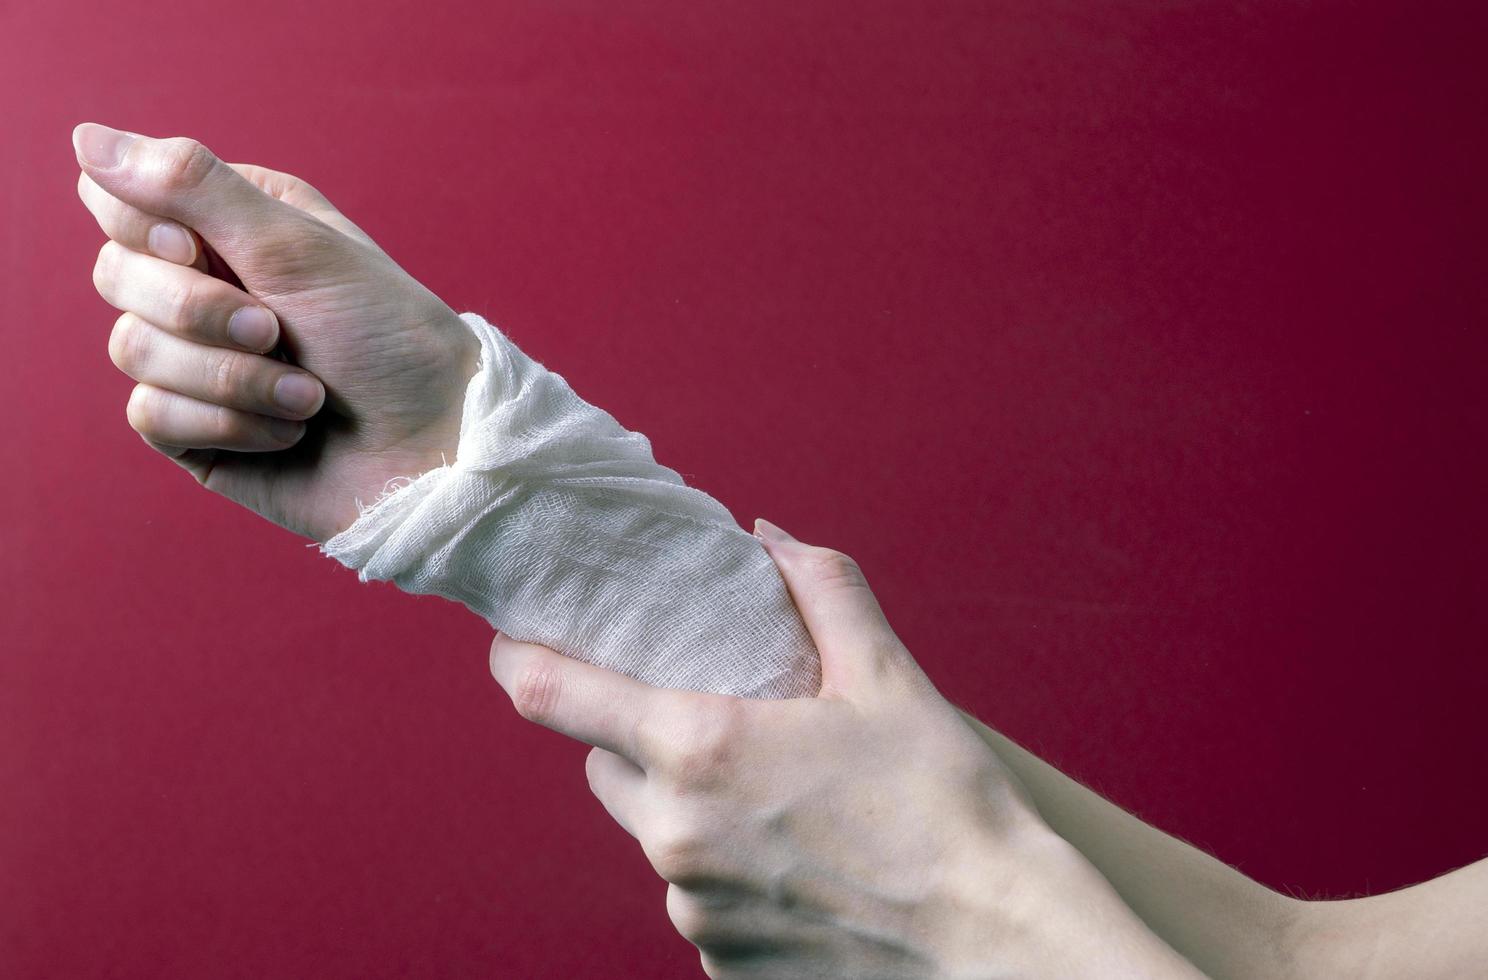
(864,832)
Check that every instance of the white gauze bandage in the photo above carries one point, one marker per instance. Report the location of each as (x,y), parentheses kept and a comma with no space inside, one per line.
(555,525)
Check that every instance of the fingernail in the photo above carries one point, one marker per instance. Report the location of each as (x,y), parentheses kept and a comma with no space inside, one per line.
(253,327)
(171,243)
(286,430)
(298,393)
(100,146)
(766,531)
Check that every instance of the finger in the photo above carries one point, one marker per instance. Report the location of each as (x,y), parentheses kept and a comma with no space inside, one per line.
(190,304)
(197,462)
(298,193)
(247,382)
(134,229)
(180,179)
(856,644)
(617,783)
(174,424)
(730,927)
(597,706)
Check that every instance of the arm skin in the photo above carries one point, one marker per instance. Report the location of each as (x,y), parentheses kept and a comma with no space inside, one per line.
(865,832)
(1435,929)
(1230,926)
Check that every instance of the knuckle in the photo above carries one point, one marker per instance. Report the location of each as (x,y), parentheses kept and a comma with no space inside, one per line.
(677,857)
(299,189)
(129,344)
(183,164)
(187,300)
(226,376)
(228,428)
(690,917)
(538,687)
(834,568)
(703,752)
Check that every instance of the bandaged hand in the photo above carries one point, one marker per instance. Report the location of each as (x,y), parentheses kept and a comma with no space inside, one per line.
(437,454)
(251,305)
(866,832)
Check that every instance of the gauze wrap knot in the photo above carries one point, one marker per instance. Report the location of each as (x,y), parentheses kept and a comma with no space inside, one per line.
(556,526)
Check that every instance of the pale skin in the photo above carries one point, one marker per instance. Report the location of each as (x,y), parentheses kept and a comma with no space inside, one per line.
(376,352)
(867,832)
(871,831)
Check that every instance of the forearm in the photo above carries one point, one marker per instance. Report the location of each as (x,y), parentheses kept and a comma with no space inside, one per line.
(1216,917)
(1075,923)
(1438,929)
(556,525)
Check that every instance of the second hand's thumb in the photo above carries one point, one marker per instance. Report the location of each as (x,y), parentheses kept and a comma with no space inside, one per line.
(858,648)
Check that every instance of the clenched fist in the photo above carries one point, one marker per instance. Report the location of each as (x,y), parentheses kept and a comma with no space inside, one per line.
(281,357)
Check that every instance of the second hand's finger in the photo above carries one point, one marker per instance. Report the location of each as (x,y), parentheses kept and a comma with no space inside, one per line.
(596,706)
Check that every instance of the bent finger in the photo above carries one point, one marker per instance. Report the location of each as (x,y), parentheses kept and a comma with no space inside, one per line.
(174,423)
(601,707)
(138,230)
(188,303)
(248,382)
(858,647)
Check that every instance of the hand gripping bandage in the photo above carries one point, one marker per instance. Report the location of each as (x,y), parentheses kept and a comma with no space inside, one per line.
(556,526)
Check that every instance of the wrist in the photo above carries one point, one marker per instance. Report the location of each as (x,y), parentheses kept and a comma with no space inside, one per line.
(451,360)
(399,447)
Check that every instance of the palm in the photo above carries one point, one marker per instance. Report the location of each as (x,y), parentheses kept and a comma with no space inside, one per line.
(393,360)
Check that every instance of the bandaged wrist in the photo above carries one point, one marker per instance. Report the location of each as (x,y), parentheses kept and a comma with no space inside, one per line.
(555,524)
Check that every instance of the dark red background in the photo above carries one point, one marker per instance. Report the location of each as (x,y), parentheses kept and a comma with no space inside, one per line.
(1137,353)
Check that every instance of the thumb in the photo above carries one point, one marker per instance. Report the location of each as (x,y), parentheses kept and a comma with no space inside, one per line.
(859,650)
(180,179)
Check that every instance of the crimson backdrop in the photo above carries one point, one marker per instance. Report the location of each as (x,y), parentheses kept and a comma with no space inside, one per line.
(1135,350)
